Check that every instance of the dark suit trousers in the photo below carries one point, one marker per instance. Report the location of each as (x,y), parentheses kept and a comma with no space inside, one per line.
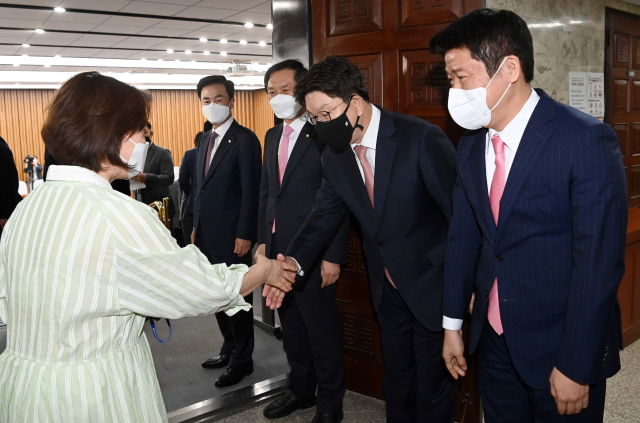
(312,340)
(417,385)
(506,398)
(187,227)
(237,330)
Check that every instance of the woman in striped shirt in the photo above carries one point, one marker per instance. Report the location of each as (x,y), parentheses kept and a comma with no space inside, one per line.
(81,265)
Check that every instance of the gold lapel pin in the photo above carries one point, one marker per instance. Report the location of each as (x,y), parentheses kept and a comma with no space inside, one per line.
(307,135)
(229,141)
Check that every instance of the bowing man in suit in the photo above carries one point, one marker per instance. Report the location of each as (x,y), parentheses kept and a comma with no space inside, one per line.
(291,177)
(225,213)
(395,173)
(538,232)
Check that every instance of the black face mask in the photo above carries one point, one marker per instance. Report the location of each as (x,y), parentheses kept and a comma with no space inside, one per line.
(337,132)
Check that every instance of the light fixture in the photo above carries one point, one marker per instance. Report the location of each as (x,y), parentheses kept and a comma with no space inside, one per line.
(193,61)
(203,40)
(223,53)
(187,52)
(223,40)
(160,60)
(169,51)
(243,42)
(39,31)
(262,44)
(57,56)
(26,45)
(206,53)
(269,26)
(15,65)
(177,60)
(143,59)
(16,84)
(249,25)
(25,55)
(59,9)
(47,65)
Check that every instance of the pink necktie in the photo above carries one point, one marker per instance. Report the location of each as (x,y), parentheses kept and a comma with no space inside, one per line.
(283,158)
(497,188)
(361,152)
(212,143)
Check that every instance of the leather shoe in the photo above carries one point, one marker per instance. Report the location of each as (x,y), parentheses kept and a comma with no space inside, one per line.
(287,404)
(216,362)
(232,376)
(329,418)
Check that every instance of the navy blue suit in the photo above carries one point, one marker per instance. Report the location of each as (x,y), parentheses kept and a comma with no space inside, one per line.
(226,208)
(407,232)
(557,252)
(187,176)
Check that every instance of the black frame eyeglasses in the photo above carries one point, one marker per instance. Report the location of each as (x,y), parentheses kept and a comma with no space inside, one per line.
(325,117)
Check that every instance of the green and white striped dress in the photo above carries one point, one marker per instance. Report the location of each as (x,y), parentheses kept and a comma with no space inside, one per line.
(80,267)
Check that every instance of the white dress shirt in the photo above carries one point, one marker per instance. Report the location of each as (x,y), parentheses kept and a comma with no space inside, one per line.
(511,136)
(296,126)
(369,140)
(221,131)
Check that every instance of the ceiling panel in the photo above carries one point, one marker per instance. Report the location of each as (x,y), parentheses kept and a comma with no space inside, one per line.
(265,32)
(117,29)
(143,43)
(39,51)
(179,45)
(253,17)
(179,2)
(165,32)
(65,25)
(223,28)
(149,8)
(19,23)
(9,50)
(230,4)
(206,13)
(130,21)
(14,36)
(263,8)
(26,14)
(78,52)
(114,54)
(180,25)
(77,18)
(98,40)
(111,5)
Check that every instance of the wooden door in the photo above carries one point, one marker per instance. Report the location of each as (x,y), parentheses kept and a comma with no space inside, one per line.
(389,41)
(622,101)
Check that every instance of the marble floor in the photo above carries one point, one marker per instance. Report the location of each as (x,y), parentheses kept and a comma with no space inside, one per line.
(622,406)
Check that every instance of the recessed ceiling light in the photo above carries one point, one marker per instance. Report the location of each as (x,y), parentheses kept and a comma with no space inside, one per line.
(26,45)
(25,55)
(203,40)
(143,59)
(178,60)
(243,42)
(269,26)
(17,83)
(169,51)
(262,44)
(223,53)
(249,25)
(160,60)
(39,31)
(47,65)
(223,40)
(269,64)
(15,65)
(59,9)
(187,52)
(57,56)
(193,61)
(206,53)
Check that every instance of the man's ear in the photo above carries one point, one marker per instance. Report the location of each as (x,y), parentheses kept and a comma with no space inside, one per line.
(359,104)
(514,69)
(231,104)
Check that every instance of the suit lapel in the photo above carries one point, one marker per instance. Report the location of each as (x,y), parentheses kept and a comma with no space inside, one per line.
(201,155)
(355,180)
(223,147)
(535,136)
(149,159)
(479,169)
(271,156)
(302,144)
(385,153)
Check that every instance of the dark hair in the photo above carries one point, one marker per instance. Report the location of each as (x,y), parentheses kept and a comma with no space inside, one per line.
(88,119)
(490,35)
(335,76)
(217,79)
(294,65)
(208,126)
(148,125)
(196,141)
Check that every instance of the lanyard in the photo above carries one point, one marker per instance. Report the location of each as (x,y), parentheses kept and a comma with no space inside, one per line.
(153,328)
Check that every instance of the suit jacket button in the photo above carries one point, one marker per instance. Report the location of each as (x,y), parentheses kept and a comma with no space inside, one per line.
(499,258)
(202,190)
(277,198)
(486,293)
(381,244)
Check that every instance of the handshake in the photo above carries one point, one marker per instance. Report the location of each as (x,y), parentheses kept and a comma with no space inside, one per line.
(280,275)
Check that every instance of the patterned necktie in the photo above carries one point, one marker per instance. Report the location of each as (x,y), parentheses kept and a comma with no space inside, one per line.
(212,143)
(497,188)
(283,158)
(361,152)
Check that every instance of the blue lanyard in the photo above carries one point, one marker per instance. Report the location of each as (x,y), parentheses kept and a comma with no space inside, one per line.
(153,328)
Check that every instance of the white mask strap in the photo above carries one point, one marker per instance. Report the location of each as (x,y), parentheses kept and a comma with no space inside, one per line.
(494,75)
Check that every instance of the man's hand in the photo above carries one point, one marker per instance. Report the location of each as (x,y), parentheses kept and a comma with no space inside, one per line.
(260,251)
(473,299)
(3,222)
(242,247)
(453,353)
(273,295)
(193,236)
(571,397)
(280,277)
(329,272)
(140,177)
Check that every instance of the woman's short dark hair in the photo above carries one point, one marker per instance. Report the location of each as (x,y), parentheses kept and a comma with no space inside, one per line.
(294,65)
(217,79)
(88,119)
(490,35)
(335,76)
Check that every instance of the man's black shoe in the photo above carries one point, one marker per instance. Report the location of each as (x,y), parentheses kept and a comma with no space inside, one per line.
(232,376)
(216,362)
(328,418)
(287,404)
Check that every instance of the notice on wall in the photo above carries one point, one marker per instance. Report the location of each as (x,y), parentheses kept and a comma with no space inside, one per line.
(586,93)
(595,94)
(578,91)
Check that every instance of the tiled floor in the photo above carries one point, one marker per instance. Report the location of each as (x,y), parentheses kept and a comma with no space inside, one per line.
(622,406)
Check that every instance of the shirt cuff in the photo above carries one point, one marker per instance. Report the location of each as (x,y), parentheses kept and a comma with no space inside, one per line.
(451,324)
(237,272)
(300,271)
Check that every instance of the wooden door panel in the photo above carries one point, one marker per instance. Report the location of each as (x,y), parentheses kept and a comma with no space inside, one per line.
(635,139)
(621,49)
(429,12)
(621,95)
(424,84)
(371,67)
(622,131)
(351,16)
(636,53)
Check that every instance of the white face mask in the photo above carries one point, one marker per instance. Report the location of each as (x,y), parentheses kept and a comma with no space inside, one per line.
(137,159)
(285,106)
(215,113)
(469,108)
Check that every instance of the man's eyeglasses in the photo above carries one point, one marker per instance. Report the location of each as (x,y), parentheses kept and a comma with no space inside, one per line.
(325,117)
